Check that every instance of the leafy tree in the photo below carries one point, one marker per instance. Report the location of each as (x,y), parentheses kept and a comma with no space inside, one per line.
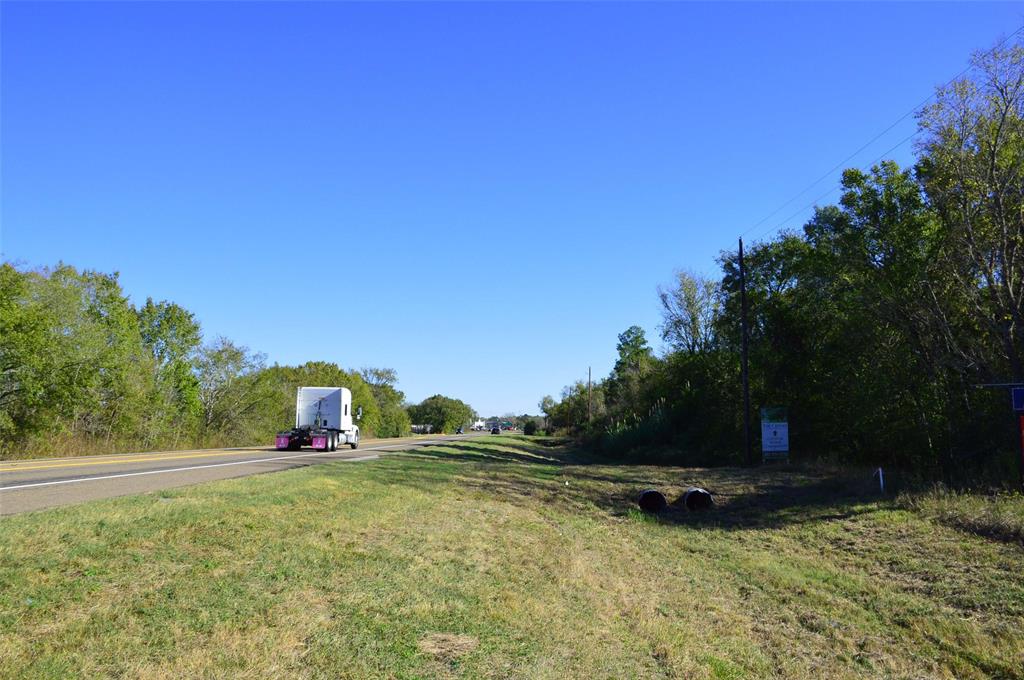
(172,336)
(689,311)
(634,352)
(26,363)
(971,170)
(169,331)
(394,419)
(233,386)
(625,387)
(380,378)
(71,356)
(445,414)
(547,405)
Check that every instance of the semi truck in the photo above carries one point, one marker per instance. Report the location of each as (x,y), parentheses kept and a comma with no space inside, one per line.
(323,420)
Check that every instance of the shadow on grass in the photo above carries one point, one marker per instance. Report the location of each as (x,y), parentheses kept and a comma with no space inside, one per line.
(745,498)
(512,453)
(772,503)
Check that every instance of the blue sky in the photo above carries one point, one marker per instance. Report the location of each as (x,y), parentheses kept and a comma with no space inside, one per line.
(479,195)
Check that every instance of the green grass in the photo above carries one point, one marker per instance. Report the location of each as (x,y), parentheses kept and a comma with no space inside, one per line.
(506,557)
(999,516)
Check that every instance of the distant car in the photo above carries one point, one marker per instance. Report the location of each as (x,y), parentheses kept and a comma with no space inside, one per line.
(458,431)
(495,430)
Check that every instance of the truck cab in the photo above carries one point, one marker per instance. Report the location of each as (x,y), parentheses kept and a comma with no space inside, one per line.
(323,420)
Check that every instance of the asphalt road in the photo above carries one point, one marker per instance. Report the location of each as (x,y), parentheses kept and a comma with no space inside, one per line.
(45,483)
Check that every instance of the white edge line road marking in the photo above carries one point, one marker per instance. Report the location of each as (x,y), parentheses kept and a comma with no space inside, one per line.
(212,465)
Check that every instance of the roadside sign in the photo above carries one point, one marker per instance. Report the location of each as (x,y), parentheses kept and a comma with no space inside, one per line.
(774,434)
(1017,401)
(1017,394)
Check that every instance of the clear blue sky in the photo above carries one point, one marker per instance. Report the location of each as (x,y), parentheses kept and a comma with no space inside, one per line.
(481,196)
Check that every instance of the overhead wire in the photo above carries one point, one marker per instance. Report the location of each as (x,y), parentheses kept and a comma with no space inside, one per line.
(874,139)
(815,202)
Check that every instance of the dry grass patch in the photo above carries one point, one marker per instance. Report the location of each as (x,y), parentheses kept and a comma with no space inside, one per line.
(447,646)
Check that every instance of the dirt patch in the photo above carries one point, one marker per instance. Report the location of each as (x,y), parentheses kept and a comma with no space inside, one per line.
(447,646)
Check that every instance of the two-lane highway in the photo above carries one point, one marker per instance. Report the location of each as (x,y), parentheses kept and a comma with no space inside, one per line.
(44,483)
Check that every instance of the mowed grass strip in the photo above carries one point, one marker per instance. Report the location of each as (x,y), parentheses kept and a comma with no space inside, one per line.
(506,557)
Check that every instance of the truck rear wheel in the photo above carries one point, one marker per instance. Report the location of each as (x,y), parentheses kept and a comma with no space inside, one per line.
(334,441)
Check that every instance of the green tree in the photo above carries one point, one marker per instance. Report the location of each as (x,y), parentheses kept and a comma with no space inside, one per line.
(172,336)
(971,170)
(169,331)
(72,357)
(394,419)
(233,388)
(689,310)
(625,388)
(444,414)
(26,364)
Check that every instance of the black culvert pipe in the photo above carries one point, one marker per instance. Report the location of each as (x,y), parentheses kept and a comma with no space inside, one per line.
(697,498)
(651,500)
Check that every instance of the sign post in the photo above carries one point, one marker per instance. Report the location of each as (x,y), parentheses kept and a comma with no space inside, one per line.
(1020,419)
(1017,396)
(774,434)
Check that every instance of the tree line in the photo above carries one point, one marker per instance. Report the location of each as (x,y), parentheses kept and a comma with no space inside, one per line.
(879,325)
(83,370)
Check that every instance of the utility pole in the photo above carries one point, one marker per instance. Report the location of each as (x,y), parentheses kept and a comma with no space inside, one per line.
(590,400)
(571,408)
(744,369)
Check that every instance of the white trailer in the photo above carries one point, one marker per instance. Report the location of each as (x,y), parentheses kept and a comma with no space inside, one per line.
(323,420)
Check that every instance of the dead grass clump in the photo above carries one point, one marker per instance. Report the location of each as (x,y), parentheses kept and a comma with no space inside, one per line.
(447,647)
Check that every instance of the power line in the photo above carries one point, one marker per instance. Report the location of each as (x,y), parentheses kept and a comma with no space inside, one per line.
(872,141)
(833,189)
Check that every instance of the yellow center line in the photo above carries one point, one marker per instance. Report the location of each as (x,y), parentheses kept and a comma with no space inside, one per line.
(208,454)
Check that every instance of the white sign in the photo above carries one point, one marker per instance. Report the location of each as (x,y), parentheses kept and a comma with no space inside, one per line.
(774,434)
(774,437)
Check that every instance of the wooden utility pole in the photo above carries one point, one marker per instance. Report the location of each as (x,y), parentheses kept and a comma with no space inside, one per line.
(744,369)
(590,400)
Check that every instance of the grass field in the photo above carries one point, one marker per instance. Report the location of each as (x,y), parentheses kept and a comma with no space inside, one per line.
(507,557)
